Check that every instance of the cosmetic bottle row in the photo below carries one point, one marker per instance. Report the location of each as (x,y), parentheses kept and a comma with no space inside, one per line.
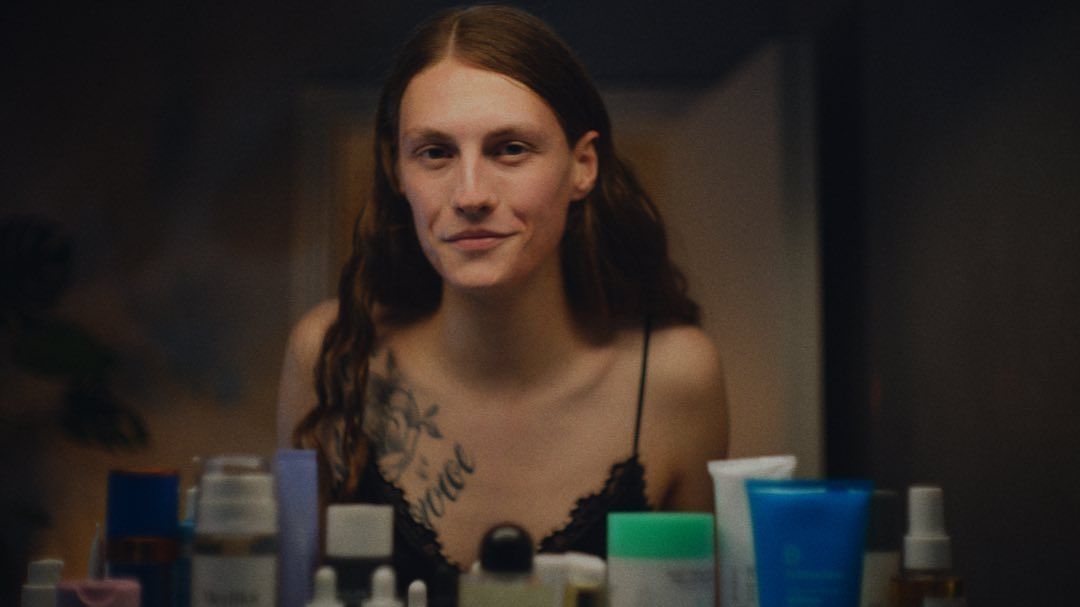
(251,533)
(827,542)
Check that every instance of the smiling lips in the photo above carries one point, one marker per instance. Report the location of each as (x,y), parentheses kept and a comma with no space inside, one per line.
(475,240)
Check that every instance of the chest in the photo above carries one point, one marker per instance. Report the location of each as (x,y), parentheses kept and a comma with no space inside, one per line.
(466,462)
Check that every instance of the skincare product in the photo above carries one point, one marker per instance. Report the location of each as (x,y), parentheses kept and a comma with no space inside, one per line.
(506,576)
(881,558)
(95,591)
(383,589)
(235,557)
(661,558)
(927,577)
(325,589)
(585,581)
(359,539)
(141,530)
(551,570)
(575,578)
(417,594)
(41,579)
(297,483)
(187,545)
(808,540)
(734,539)
(112,592)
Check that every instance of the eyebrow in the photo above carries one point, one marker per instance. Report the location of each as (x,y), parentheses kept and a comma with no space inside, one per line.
(429,134)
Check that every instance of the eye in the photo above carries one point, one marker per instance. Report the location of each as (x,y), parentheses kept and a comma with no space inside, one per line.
(514,148)
(512,152)
(432,152)
(432,156)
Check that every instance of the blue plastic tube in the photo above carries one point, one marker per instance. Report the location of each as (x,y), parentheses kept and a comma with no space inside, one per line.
(297,482)
(808,541)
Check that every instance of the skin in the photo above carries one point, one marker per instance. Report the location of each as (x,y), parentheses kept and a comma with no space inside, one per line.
(498,406)
(489,182)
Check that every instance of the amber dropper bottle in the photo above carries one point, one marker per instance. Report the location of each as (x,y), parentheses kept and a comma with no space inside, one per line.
(927,578)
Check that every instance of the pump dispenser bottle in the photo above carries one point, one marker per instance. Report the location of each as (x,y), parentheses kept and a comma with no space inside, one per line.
(927,578)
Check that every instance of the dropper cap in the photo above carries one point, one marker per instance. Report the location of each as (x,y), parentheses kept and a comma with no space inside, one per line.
(926,546)
(41,580)
(325,589)
(418,594)
(383,584)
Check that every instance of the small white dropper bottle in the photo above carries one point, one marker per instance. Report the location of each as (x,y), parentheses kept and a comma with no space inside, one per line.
(325,589)
(417,594)
(383,592)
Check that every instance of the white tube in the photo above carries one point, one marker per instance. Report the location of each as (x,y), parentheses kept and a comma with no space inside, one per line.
(734,535)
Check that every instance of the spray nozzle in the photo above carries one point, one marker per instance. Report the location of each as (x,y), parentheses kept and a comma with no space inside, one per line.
(926,545)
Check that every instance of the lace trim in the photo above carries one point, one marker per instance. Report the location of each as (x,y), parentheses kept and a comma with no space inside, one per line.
(626,479)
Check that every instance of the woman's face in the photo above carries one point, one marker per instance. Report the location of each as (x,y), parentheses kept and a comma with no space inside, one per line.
(489,175)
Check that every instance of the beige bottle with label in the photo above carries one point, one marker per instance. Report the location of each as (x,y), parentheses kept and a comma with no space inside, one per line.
(505,576)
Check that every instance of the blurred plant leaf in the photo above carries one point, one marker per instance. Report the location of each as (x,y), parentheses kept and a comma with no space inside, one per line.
(35,262)
(93,415)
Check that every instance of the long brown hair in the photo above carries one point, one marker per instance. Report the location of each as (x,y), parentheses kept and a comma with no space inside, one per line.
(614,251)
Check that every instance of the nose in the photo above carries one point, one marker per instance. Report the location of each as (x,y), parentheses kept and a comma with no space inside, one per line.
(473,198)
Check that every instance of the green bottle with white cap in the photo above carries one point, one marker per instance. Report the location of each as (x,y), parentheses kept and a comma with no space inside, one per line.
(661,558)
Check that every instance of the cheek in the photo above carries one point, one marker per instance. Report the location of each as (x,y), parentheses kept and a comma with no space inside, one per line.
(550,200)
(423,211)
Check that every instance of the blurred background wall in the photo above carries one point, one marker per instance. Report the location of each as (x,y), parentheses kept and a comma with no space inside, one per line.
(875,202)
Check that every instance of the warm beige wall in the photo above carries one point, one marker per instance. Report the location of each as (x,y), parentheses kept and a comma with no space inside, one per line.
(740,210)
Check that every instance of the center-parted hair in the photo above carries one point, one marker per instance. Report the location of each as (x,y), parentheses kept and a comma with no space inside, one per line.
(613,253)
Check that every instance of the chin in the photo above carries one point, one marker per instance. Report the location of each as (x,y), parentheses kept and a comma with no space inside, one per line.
(478,283)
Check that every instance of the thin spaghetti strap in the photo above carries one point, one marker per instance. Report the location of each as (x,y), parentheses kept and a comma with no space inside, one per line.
(641,383)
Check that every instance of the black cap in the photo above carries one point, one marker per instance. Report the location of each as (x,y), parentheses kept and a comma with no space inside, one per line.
(506,548)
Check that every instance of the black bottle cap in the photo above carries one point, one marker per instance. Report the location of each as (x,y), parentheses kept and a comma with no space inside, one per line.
(506,548)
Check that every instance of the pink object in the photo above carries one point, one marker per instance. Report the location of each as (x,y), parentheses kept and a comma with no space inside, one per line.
(115,592)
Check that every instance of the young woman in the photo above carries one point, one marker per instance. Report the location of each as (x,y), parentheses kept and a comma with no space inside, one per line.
(511,341)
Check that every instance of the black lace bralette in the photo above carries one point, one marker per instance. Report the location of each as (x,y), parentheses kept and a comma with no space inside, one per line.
(418,553)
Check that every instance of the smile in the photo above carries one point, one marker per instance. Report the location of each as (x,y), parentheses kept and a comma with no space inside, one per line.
(475,240)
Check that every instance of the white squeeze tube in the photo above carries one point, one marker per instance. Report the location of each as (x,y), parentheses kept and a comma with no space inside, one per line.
(734,535)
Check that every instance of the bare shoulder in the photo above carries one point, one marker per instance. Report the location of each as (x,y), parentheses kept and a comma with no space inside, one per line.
(685,363)
(296,389)
(307,334)
(686,423)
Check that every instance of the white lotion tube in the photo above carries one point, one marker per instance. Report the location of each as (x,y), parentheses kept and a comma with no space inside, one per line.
(734,535)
